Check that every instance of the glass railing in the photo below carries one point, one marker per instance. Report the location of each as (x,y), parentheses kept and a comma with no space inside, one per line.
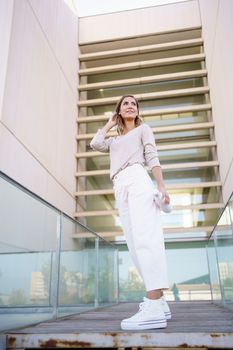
(187,273)
(44,271)
(220,258)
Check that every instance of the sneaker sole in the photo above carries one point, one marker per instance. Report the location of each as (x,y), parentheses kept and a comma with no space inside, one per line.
(143,325)
(168,315)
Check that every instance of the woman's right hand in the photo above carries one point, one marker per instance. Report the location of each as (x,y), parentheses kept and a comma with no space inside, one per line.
(112,120)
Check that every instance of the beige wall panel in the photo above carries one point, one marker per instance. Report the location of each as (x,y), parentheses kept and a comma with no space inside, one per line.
(6,12)
(59,25)
(139,22)
(39,107)
(36,231)
(221,85)
(228,187)
(28,171)
(209,14)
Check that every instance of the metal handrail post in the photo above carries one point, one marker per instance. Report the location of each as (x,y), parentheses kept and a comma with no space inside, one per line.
(56,268)
(219,275)
(208,264)
(117,276)
(96,271)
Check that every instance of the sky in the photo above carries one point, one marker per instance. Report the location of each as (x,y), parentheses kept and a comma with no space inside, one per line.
(93,7)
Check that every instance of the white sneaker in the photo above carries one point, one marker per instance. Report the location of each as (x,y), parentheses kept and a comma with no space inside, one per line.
(166,308)
(149,316)
(158,197)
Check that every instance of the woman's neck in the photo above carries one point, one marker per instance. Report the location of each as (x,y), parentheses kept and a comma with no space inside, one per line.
(129,125)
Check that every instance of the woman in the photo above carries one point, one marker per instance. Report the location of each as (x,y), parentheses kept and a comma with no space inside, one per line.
(140,217)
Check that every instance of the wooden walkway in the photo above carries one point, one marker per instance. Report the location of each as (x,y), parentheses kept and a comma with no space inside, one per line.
(193,324)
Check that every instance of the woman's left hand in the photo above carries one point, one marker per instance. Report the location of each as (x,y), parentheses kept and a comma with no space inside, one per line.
(165,195)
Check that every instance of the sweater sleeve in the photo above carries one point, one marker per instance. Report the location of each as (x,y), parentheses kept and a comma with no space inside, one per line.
(150,149)
(99,143)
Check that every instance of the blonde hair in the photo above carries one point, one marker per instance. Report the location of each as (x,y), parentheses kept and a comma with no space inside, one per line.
(120,121)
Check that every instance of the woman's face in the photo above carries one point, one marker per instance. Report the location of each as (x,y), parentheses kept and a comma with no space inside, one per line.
(128,108)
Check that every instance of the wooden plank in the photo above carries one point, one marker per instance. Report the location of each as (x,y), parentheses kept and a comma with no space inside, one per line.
(174,207)
(190,165)
(152,113)
(147,96)
(141,49)
(143,64)
(144,80)
(175,146)
(175,166)
(193,324)
(178,186)
(183,127)
(158,129)
(207,229)
(142,36)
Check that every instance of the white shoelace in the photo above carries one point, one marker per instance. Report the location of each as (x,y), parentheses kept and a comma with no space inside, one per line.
(142,306)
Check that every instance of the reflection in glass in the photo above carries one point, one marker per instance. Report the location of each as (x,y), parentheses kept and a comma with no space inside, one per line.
(46,269)
(220,255)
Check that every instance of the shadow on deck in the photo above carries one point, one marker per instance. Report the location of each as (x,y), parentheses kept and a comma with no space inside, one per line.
(193,324)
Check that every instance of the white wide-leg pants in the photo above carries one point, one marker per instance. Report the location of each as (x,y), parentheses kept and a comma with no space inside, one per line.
(141,222)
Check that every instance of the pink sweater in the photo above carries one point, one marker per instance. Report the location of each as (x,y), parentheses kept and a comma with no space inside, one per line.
(137,146)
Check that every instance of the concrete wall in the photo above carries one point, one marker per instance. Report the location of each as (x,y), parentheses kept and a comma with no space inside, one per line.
(217,24)
(139,22)
(6,12)
(38,97)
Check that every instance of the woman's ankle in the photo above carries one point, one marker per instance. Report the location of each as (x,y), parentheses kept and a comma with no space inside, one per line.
(154,294)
